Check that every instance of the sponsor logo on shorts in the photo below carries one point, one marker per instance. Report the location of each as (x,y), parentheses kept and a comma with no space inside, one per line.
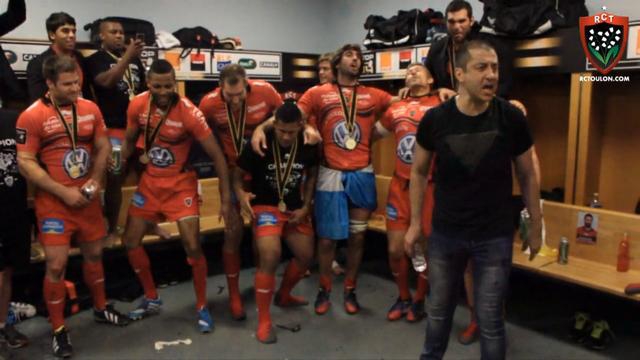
(138,200)
(161,157)
(266,219)
(392,213)
(188,201)
(52,226)
(405,148)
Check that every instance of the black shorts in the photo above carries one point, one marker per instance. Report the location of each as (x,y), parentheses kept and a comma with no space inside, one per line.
(15,242)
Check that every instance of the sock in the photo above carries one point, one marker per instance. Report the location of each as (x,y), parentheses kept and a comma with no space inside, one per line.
(140,263)
(423,285)
(93,274)
(349,284)
(231,264)
(292,275)
(199,270)
(400,271)
(264,293)
(325,282)
(54,294)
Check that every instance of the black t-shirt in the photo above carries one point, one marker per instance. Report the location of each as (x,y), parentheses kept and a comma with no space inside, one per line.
(13,187)
(473,180)
(263,174)
(113,102)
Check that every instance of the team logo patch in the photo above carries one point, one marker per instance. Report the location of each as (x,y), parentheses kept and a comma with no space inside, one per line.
(392,213)
(52,226)
(76,164)
(138,200)
(21,136)
(188,201)
(266,219)
(161,157)
(405,148)
(340,134)
(604,39)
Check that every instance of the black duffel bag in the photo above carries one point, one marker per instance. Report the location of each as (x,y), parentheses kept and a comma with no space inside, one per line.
(405,28)
(132,28)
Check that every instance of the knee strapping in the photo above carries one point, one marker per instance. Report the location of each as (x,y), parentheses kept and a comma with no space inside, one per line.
(357,226)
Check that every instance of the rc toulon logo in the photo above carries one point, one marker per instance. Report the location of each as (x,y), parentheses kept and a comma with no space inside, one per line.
(604,39)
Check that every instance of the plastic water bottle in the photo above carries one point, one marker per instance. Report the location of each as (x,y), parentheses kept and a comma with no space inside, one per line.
(418,260)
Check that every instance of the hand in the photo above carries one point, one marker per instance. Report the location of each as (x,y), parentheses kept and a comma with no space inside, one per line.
(535,238)
(410,239)
(445,94)
(299,215)
(403,93)
(311,135)
(91,183)
(72,197)
(245,203)
(519,105)
(259,141)
(134,49)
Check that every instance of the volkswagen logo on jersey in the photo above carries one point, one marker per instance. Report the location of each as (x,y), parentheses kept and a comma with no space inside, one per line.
(405,148)
(161,157)
(80,161)
(340,134)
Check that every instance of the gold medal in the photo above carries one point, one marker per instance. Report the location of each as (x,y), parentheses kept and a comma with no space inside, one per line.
(144,159)
(350,143)
(74,171)
(282,178)
(282,207)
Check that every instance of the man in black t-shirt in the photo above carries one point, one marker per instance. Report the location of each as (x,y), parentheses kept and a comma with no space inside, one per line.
(15,239)
(117,75)
(475,137)
(282,186)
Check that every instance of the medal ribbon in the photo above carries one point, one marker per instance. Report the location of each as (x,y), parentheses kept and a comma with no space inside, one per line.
(283,179)
(71,130)
(128,78)
(150,138)
(236,128)
(350,115)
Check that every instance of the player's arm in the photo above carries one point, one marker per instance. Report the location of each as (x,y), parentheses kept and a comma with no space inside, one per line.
(129,144)
(244,197)
(310,186)
(212,148)
(422,159)
(102,152)
(108,79)
(528,180)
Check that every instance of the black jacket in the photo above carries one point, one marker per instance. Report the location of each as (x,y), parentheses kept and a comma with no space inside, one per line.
(438,58)
(14,16)
(36,83)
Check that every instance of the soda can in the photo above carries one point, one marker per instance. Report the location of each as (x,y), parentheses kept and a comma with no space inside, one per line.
(563,251)
(116,157)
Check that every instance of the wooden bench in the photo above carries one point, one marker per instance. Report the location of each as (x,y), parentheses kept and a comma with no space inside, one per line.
(592,266)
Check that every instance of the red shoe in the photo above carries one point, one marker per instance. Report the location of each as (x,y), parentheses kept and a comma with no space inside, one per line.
(266,334)
(237,310)
(351,305)
(470,334)
(398,310)
(322,303)
(289,300)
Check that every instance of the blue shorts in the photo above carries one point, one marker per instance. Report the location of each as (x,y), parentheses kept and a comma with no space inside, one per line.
(338,191)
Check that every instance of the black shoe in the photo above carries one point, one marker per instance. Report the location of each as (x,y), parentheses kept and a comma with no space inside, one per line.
(416,311)
(582,327)
(13,337)
(601,336)
(62,343)
(351,305)
(322,303)
(110,316)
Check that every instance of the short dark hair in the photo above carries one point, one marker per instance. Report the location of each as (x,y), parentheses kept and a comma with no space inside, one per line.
(337,56)
(55,65)
(588,215)
(457,5)
(107,21)
(161,66)
(463,55)
(232,74)
(56,20)
(288,112)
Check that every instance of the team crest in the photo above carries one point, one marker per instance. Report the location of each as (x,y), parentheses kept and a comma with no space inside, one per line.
(604,39)
(161,157)
(340,134)
(76,164)
(405,148)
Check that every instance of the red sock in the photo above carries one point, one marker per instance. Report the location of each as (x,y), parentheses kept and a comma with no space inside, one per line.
(292,275)
(264,293)
(349,284)
(231,264)
(54,294)
(423,285)
(199,270)
(140,263)
(94,278)
(325,282)
(400,271)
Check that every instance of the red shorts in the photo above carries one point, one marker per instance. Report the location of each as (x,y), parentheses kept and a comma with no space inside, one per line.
(269,221)
(398,209)
(58,223)
(166,198)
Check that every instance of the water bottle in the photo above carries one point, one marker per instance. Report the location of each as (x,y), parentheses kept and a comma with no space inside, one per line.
(595,202)
(418,260)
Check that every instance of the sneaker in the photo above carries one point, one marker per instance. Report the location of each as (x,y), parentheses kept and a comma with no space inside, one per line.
(351,305)
(289,300)
(582,327)
(205,322)
(61,343)
(24,310)
(398,310)
(13,337)
(470,334)
(601,336)
(322,303)
(266,335)
(416,311)
(145,308)
(110,316)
